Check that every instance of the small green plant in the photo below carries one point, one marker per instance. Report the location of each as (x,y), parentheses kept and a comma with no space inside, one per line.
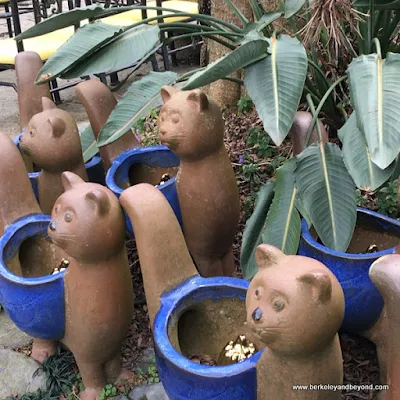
(108,391)
(387,199)
(261,143)
(244,104)
(152,372)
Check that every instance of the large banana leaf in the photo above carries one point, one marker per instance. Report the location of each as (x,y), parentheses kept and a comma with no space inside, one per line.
(375,94)
(124,51)
(81,45)
(59,21)
(292,7)
(88,142)
(357,158)
(275,84)
(255,225)
(282,227)
(138,100)
(328,193)
(244,55)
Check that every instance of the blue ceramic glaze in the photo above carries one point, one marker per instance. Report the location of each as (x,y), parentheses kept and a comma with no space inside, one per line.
(94,169)
(35,305)
(363,301)
(184,379)
(153,156)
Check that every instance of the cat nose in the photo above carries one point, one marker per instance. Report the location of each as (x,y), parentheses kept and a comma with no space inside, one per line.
(52,225)
(257,314)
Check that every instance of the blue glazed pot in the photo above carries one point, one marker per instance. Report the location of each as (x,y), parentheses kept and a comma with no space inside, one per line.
(184,379)
(35,305)
(363,302)
(94,169)
(117,176)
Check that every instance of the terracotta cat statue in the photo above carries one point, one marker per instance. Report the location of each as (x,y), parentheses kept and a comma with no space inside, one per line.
(87,222)
(385,274)
(298,132)
(191,125)
(52,141)
(99,102)
(296,307)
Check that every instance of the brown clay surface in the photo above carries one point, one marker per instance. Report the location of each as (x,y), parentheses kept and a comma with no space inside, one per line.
(365,236)
(191,125)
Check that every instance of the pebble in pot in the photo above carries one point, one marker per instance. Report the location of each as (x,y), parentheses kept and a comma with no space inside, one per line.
(296,306)
(385,274)
(191,125)
(52,141)
(87,222)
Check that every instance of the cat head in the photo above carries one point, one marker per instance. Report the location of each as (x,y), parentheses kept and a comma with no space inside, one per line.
(294,304)
(190,124)
(52,139)
(87,221)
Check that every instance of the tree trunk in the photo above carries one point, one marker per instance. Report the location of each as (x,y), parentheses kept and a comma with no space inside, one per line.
(225,93)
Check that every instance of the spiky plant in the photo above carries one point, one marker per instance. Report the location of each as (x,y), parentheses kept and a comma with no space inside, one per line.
(332,22)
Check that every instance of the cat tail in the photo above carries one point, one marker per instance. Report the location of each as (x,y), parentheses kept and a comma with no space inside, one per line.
(17,198)
(164,257)
(99,102)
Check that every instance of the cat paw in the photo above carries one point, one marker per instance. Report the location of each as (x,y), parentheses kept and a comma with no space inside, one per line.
(43,349)
(90,394)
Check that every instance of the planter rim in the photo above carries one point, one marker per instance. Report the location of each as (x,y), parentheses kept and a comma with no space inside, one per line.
(306,235)
(10,232)
(169,302)
(123,157)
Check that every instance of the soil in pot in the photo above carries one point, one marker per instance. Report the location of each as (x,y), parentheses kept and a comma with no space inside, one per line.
(369,238)
(204,330)
(36,257)
(141,173)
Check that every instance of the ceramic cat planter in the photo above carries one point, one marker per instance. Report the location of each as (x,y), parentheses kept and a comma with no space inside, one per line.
(22,297)
(188,314)
(122,173)
(364,303)
(94,169)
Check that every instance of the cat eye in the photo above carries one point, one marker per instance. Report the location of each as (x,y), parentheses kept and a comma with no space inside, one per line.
(257,293)
(175,118)
(278,305)
(68,217)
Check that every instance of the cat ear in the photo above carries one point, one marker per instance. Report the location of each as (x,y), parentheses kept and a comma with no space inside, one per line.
(199,97)
(320,284)
(167,92)
(101,200)
(47,104)
(267,255)
(70,180)
(57,126)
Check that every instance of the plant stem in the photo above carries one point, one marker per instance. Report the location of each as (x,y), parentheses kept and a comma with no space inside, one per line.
(210,35)
(378,47)
(313,112)
(320,105)
(370,25)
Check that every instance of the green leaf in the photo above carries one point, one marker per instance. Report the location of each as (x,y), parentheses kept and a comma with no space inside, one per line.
(237,12)
(292,7)
(378,4)
(124,51)
(328,193)
(257,8)
(375,94)
(88,143)
(357,158)
(265,20)
(244,55)
(282,227)
(276,84)
(255,225)
(59,21)
(81,45)
(137,102)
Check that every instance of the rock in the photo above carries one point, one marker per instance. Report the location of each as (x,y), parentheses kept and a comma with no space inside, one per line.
(149,392)
(10,336)
(19,374)
(149,358)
